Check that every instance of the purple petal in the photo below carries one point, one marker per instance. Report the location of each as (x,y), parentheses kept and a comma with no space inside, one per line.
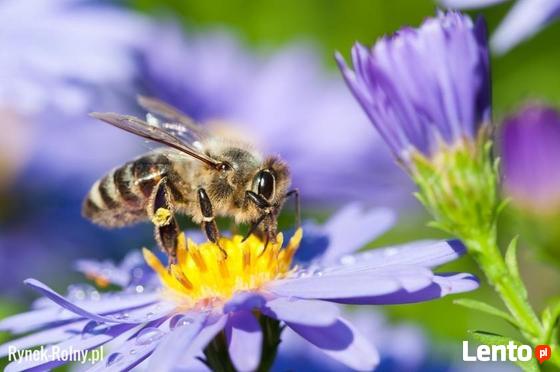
(525,19)
(134,350)
(106,270)
(341,342)
(45,337)
(348,283)
(442,285)
(244,338)
(422,253)
(244,301)
(206,335)
(353,227)
(176,343)
(306,312)
(72,346)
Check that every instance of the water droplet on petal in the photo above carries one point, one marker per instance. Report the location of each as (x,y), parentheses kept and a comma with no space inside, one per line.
(93,328)
(122,315)
(139,288)
(114,358)
(132,351)
(391,252)
(149,335)
(180,321)
(149,314)
(348,260)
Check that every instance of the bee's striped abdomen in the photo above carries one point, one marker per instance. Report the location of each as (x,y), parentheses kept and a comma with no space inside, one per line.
(121,197)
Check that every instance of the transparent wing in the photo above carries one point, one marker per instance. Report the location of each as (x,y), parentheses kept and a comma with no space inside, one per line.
(174,121)
(155,133)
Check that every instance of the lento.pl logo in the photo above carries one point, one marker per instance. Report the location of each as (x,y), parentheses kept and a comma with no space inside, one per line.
(510,353)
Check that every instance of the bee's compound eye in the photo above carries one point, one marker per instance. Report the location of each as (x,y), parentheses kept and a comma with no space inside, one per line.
(265,183)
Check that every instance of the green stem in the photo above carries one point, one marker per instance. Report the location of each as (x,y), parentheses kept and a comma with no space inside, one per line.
(491,261)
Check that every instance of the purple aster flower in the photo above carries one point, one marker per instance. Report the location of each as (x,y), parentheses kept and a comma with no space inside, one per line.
(530,146)
(286,102)
(204,295)
(57,53)
(525,19)
(426,88)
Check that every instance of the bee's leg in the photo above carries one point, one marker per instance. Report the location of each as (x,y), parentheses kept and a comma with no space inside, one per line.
(295,194)
(166,228)
(267,217)
(208,222)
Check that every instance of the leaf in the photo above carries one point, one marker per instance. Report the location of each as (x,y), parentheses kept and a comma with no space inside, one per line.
(550,319)
(488,338)
(511,263)
(485,308)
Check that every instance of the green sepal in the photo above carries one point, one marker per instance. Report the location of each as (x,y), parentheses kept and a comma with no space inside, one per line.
(488,338)
(485,308)
(511,263)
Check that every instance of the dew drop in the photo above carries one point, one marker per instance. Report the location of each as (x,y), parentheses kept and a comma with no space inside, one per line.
(139,289)
(348,260)
(391,252)
(114,358)
(149,335)
(132,351)
(122,315)
(93,328)
(150,314)
(180,321)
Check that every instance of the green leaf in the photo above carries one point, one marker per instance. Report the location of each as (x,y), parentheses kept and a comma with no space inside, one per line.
(550,320)
(488,338)
(511,263)
(485,308)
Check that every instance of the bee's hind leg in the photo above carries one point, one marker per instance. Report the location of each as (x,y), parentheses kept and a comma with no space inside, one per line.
(161,212)
(209,225)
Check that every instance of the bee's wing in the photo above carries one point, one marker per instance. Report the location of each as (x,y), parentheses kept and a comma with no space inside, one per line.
(153,132)
(180,124)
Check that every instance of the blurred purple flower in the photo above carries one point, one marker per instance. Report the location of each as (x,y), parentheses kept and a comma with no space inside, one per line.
(286,102)
(426,87)
(146,323)
(525,19)
(57,53)
(530,148)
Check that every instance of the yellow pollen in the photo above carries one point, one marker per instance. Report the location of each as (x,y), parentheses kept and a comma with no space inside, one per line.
(162,217)
(202,272)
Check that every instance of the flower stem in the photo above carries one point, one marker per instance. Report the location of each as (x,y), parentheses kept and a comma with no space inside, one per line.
(508,285)
(490,260)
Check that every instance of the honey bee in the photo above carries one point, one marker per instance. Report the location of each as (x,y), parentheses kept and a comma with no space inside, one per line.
(198,173)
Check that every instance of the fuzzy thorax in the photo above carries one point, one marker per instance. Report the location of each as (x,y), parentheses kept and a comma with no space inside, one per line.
(203,274)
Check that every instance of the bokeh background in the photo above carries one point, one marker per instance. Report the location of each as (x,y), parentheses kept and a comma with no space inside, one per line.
(267,69)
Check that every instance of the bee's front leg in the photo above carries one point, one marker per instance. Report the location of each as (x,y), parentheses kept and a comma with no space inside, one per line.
(209,225)
(161,213)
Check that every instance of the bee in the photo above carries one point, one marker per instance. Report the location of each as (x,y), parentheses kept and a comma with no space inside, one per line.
(198,173)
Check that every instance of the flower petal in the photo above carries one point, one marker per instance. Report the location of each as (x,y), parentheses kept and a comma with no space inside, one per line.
(353,227)
(45,337)
(244,338)
(307,312)
(361,282)
(177,342)
(426,253)
(443,284)
(206,335)
(244,301)
(72,346)
(341,342)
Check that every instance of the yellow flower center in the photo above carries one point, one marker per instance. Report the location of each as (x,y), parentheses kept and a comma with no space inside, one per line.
(203,273)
